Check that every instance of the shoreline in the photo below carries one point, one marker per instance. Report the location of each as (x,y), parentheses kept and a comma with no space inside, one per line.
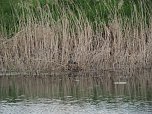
(68,72)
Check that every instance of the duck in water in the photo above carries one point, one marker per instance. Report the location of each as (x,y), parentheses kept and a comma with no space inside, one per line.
(72,65)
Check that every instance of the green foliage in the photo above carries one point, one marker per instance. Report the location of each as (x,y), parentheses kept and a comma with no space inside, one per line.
(95,11)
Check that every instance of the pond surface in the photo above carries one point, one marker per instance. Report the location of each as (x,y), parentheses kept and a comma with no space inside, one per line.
(78,93)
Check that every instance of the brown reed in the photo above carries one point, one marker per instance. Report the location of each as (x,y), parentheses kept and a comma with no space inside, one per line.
(46,45)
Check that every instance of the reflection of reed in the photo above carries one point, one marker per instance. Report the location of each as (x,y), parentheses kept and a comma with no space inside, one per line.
(82,86)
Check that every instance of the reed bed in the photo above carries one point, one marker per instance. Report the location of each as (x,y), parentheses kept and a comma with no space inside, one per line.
(46,42)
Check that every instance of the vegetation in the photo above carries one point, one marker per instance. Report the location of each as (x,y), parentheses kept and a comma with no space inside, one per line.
(42,35)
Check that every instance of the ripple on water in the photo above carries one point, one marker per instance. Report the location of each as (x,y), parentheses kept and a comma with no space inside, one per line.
(53,106)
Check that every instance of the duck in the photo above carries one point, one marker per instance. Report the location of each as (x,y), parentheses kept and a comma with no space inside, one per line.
(72,65)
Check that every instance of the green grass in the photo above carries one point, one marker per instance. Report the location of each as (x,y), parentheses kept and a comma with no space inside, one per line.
(95,11)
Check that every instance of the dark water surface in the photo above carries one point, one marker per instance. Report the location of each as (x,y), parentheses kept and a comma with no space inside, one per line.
(78,93)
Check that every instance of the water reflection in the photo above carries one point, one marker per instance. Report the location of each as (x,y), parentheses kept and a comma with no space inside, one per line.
(94,93)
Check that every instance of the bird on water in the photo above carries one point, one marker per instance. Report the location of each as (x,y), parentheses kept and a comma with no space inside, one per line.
(72,65)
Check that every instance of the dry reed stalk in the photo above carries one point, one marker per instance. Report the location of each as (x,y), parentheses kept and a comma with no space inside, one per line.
(43,47)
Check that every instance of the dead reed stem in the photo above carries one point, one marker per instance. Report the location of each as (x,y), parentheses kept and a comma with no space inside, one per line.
(40,46)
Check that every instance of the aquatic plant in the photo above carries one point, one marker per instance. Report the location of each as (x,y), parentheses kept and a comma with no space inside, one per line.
(99,35)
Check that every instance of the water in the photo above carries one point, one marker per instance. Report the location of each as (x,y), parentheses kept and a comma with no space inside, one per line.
(88,93)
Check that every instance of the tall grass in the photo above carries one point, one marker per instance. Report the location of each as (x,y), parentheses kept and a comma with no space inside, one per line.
(97,34)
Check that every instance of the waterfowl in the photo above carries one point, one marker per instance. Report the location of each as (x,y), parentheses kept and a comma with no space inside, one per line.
(72,65)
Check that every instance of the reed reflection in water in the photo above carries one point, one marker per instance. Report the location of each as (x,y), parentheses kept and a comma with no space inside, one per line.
(80,89)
